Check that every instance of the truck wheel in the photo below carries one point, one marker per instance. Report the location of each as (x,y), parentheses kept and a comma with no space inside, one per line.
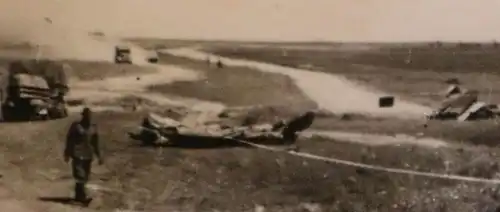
(6,113)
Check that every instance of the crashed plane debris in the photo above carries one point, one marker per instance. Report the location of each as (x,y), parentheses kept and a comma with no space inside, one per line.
(462,105)
(159,130)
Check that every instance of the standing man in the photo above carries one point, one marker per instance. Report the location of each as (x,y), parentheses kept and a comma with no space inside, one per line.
(296,125)
(82,142)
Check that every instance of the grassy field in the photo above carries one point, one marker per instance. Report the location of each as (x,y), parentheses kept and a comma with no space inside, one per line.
(386,68)
(239,178)
(475,133)
(235,86)
(205,179)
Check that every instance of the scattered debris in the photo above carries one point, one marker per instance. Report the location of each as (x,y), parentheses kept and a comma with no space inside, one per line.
(463,105)
(161,130)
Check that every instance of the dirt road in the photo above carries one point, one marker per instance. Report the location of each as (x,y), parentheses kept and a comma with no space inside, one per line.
(331,92)
(99,90)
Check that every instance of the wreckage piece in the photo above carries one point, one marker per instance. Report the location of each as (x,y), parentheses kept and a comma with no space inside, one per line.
(474,108)
(478,110)
(464,106)
(158,130)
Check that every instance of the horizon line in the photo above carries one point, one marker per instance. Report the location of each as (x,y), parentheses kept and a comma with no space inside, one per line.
(311,41)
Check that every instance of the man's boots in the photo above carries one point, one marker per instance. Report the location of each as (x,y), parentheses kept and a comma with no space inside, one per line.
(80,194)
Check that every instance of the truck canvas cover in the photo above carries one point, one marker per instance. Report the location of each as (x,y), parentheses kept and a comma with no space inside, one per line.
(31,86)
(54,72)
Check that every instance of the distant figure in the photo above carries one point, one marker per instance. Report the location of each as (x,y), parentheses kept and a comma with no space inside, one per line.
(296,125)
(82,142)
(219,64)
(208,61)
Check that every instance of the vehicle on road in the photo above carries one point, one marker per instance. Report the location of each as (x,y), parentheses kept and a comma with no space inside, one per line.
(152,57)
(123,55)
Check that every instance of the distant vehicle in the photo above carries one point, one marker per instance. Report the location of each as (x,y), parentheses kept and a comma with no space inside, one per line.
(153,57)
(34,90)
(97,34)
(123,55)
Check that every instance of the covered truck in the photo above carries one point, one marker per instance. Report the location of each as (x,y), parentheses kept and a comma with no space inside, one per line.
(123,54)
(34,89)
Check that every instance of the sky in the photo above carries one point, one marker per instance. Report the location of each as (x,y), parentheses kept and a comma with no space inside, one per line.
(274,20)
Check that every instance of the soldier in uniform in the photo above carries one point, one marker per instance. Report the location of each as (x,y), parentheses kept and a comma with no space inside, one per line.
(82,143)
(296,125)
(220,64)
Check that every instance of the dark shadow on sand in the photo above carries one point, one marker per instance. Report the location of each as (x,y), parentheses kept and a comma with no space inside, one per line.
(207,142)
(65,201)
(61,200)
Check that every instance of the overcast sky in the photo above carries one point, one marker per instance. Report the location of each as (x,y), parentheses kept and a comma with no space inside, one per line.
(382,20)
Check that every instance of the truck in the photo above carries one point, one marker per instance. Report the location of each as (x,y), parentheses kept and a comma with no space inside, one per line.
(34,90)
(123,54)
(152,57)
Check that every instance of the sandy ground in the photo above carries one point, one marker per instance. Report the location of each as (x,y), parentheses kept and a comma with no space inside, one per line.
(331,92)
(94,91)
(99,90)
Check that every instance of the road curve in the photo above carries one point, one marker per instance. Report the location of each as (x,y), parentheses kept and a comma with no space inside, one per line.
(331,92)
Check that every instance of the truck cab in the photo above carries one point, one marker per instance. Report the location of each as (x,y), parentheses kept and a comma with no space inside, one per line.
(28,97)
(28,91)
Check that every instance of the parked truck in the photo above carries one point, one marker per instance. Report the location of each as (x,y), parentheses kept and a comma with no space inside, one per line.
(34,90)
(123,54)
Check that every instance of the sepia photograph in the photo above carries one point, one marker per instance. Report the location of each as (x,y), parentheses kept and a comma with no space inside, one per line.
(249,106)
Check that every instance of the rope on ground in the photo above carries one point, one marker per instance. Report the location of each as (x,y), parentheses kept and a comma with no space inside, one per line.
(373,167)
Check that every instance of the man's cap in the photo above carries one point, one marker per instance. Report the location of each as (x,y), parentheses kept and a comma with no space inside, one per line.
(86,111)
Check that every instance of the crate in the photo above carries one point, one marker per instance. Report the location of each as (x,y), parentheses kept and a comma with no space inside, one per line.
(386,101)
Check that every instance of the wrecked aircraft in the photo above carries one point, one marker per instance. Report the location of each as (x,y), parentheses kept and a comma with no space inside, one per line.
(159,130)
(464,106)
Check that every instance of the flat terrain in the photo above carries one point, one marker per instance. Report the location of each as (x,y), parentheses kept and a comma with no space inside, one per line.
(203,179)
(235,86)
(101,70)
(240,178)
(392,70)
